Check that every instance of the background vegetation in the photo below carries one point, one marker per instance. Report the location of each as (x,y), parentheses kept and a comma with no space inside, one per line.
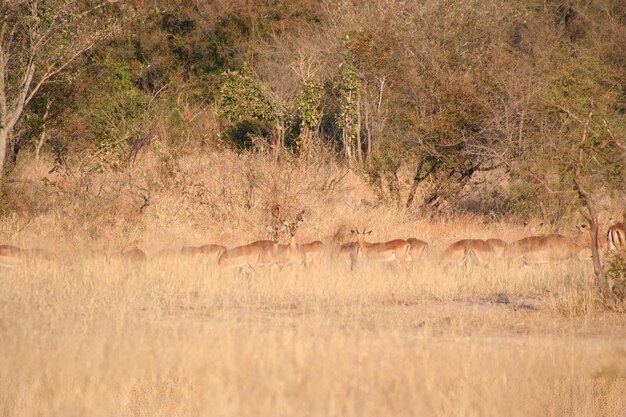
(426,101)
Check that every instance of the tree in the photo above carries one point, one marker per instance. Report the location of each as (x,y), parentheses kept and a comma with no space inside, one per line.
(39,39)
(246,105)
(606,287)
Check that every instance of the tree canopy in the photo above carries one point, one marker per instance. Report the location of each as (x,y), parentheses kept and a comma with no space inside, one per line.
(444,89)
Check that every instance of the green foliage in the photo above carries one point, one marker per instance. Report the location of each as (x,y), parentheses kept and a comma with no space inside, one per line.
(310,114)
(443,88)
(582,81)
(242,98)
(524,201)
(249,110)
(578,83)
(116,111)
(309,102)
(242,133)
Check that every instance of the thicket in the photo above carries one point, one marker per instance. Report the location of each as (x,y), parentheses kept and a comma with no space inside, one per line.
(444,90)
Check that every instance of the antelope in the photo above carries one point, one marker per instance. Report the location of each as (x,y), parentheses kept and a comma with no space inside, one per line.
(209,252)
(259,253)
(549,249)
(12,256)
(498,246)
(291,254)
(616,236)
(134,255)
(417,249)
(392,251)
(349,253)
(480,252)
(312,251)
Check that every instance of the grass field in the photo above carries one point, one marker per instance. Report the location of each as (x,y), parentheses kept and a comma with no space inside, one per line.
(170,338)
(91,335)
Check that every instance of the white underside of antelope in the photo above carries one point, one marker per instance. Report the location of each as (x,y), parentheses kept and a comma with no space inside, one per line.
(382,259)
(9,262)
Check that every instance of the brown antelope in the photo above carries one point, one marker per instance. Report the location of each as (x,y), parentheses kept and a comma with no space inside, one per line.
(498,246)
(549,249)
(349,253)
(12,256)
(209,252)
(477,251)
(392,251)
(616,236)
(417,249)
(291,254)
(259,253)
(134,255)
(313,251)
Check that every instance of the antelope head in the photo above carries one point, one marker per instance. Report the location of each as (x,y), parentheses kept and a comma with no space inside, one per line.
(293,227)
(278,225)
(363,233)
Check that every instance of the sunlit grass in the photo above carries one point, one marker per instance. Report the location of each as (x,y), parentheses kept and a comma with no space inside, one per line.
(92,335)
(100,337)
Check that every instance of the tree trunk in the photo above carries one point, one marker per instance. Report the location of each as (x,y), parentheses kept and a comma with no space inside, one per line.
(4,139)
(43,136)
(359,150)
(368,131)
(605,287)
(347,146)
(602,283)
(417,179)
(280,139)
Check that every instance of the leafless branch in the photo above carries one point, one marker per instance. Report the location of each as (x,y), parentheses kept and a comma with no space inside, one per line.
(585,196)
(620,144)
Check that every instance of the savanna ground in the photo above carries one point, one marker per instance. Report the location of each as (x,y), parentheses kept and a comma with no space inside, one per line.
(93,335)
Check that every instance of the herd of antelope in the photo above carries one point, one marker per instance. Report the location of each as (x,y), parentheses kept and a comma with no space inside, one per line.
(546,249)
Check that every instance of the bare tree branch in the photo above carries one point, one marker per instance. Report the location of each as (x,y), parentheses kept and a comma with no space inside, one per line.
(602,283)
(614,141)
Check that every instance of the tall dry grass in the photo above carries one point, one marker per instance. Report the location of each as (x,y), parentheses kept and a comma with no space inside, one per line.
(93,335)
(99,337)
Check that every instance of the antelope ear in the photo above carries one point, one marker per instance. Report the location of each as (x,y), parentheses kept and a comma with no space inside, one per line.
(276,211)
(369,233)
(352,232)
(300,217)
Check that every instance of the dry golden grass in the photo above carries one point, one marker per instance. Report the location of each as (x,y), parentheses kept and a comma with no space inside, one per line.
(101,337)
(93,335)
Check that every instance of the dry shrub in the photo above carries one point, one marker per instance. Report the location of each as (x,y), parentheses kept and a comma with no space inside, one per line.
(616,273)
